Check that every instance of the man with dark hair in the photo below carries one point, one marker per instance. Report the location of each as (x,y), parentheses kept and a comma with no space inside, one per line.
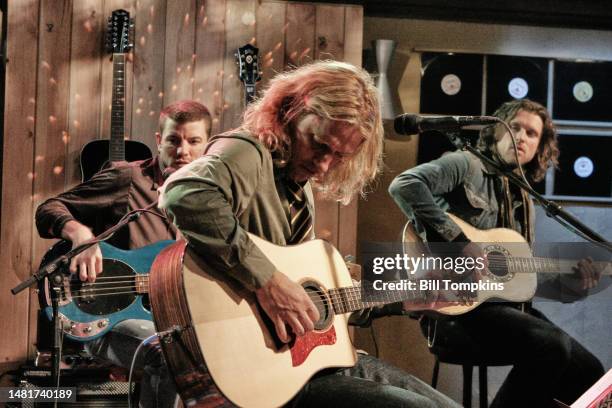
(97,204)
(548,363)
(94,206)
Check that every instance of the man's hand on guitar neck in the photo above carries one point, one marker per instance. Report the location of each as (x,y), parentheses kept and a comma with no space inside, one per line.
(88,262)
(586,274)
(286,303)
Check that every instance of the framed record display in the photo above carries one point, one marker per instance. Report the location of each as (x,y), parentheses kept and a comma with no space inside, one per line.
(511,78)
(581,93)
(585,168)
(451,84)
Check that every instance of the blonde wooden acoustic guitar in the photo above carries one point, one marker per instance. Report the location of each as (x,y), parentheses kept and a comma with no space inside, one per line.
(221,347)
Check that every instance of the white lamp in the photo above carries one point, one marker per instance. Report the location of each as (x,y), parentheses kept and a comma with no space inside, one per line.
(384,51)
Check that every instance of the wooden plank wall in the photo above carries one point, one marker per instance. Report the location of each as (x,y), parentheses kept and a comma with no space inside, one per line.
(58,92)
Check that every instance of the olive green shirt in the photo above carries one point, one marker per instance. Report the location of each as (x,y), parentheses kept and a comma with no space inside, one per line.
(233,189)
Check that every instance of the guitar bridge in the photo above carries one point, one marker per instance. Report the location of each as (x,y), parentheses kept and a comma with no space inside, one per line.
(86,330)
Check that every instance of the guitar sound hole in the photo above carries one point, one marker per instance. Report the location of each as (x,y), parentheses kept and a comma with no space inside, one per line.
(498,264)
(113,290)
(319,297)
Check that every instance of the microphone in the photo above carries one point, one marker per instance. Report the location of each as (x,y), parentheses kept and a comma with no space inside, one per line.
(409,124)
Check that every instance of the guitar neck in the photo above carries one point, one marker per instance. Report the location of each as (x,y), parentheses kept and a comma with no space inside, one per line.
(142,283)
(117,144)
(549,265)
(249,93)
(349,299)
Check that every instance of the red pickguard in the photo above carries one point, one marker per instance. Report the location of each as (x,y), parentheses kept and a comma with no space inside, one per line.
(305,344)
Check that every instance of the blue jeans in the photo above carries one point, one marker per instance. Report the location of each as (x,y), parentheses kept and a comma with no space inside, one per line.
(157,388)
(370,383)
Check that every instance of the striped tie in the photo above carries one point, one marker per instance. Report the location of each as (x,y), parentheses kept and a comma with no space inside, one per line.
(301,221)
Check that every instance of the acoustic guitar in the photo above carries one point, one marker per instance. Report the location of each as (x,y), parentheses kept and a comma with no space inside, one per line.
(97,154)
(510,261)
(222,348)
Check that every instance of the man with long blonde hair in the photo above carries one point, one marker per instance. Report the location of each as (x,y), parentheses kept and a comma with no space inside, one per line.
(318,125)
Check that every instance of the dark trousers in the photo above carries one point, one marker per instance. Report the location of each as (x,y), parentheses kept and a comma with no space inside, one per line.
(548,363)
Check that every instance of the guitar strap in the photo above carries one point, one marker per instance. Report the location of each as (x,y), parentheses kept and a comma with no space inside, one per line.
(507,216)
(506,211)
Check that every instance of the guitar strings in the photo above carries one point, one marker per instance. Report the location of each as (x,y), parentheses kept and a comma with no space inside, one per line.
(87,290)
(494,260)
(74,283)
(122,276)
(351,300)
(102,294)
(340,298)
(336,297)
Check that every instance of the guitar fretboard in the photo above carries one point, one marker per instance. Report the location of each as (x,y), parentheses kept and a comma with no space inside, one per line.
(543,265)
(117,150)
(349,299)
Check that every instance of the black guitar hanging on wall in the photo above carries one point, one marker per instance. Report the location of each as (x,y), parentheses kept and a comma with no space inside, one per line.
(248,67)
(99,153)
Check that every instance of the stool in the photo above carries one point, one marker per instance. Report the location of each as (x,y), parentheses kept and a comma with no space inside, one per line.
(467,380)
(453,345)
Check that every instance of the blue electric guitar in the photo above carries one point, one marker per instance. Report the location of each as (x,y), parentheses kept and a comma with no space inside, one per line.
(89,310)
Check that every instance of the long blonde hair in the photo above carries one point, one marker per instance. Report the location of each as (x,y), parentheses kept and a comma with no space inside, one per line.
(331,90)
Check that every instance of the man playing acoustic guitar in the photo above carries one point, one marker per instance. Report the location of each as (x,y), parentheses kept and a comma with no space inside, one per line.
(92,207)
(317,125)
(548,363)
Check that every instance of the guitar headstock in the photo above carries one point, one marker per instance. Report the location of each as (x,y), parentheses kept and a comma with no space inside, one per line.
(248,64)
(118,32)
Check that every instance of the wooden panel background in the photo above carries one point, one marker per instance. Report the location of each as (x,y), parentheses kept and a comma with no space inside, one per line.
(58,91)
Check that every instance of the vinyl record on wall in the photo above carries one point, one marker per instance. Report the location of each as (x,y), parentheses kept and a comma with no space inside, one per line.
(585,168)
(511,78)
(582,91)
(451,84)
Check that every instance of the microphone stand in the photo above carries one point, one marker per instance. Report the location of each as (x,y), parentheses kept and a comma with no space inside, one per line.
(553,210)
(54,271)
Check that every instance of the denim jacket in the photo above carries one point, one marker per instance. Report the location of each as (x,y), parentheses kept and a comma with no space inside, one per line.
(459,183)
